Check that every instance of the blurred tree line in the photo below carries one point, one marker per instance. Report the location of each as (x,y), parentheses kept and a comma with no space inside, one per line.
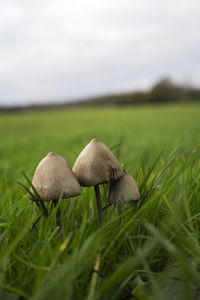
(164,91)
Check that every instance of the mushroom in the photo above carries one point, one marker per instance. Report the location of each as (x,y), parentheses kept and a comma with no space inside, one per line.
(53,177)
(95,165)
(123,191)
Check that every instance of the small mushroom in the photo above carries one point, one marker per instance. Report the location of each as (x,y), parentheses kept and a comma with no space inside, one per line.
(123,191)
(53,177)
(95,165)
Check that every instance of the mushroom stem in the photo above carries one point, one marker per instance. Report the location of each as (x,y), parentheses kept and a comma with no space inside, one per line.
(99,207)
(119,213)
(58,215)
(36,221)
(105,207)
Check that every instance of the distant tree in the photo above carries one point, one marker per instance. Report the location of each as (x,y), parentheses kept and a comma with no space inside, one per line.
(165,91)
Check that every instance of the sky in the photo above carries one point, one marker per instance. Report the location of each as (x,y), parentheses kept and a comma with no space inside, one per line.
(59,50)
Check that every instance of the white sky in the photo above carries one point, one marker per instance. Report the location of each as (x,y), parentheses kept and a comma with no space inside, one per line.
(61,50)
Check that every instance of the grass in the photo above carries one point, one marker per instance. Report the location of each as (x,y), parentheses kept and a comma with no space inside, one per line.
(153,254)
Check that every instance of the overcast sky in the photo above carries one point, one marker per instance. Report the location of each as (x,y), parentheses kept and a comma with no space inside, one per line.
(54,50)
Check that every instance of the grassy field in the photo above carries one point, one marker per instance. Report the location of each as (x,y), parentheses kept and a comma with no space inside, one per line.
(153,254)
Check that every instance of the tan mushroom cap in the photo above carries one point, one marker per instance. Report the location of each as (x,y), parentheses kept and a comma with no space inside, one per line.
(123,191)
(53,176)
(96,164)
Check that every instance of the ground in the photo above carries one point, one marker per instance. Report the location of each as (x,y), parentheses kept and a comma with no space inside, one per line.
(153,254)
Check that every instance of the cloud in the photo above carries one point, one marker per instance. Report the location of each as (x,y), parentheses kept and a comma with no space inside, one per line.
(67,50)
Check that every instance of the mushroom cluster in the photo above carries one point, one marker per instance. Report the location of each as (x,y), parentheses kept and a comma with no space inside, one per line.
(95,165)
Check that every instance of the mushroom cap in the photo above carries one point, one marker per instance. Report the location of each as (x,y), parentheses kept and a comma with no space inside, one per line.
(123,191)
(96,164)
(53,176)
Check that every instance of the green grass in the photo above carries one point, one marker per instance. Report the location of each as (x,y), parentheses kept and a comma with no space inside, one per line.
(153,254)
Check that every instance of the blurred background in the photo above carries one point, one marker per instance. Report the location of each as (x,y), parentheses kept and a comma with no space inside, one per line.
(62,51)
